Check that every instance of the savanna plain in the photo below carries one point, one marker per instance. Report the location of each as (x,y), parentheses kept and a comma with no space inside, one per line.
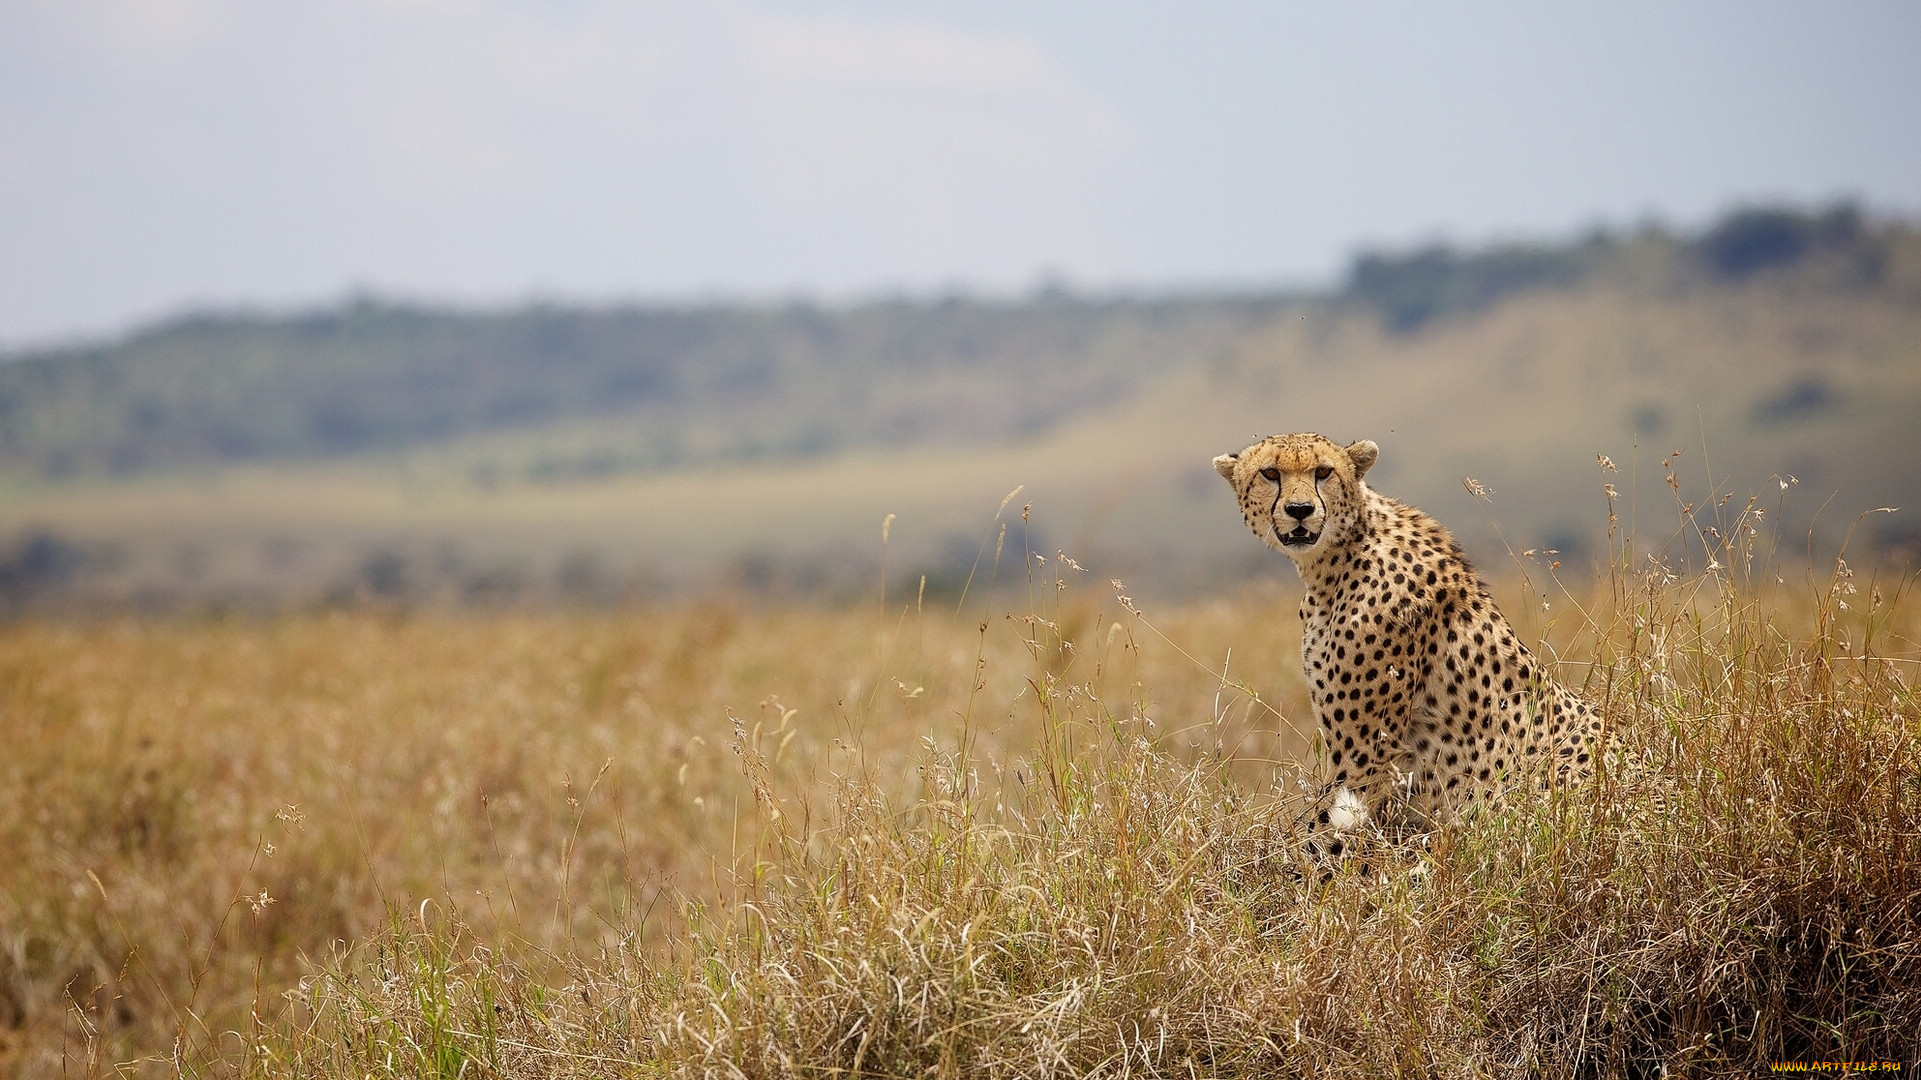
(392,692)
(1036,829)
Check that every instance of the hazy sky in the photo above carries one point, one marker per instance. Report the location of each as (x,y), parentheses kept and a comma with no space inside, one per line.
(156,154)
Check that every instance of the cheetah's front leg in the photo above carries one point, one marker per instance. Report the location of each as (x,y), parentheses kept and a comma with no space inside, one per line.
(1362,734)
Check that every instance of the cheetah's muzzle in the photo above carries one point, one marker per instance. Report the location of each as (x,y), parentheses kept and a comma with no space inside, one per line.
(1300,537)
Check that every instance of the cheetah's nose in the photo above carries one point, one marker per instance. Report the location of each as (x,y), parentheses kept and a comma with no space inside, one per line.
(1299,511)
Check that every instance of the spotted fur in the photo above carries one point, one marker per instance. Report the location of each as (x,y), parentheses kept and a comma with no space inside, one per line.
(1425,696)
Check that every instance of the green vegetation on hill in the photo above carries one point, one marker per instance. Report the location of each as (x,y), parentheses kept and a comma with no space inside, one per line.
(727,382)
(1838,245)
(544,454)
(694,384)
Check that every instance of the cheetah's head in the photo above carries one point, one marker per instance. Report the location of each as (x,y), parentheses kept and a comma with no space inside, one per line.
(1299,492)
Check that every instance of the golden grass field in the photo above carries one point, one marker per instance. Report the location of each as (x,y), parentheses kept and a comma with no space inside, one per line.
(1033,831)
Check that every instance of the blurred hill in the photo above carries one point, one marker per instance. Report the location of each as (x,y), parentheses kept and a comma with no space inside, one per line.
(685,385)
(383,450)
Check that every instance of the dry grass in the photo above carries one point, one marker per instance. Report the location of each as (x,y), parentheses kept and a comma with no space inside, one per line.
(560,782)
(704,841)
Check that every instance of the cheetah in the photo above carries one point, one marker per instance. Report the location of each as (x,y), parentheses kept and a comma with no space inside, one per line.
(1427,700)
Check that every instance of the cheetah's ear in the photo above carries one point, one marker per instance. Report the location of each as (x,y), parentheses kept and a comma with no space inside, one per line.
(1363,455)
(1225,465)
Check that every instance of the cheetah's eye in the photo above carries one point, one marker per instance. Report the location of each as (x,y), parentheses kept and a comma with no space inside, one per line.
(1323,472)
(1271,473)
